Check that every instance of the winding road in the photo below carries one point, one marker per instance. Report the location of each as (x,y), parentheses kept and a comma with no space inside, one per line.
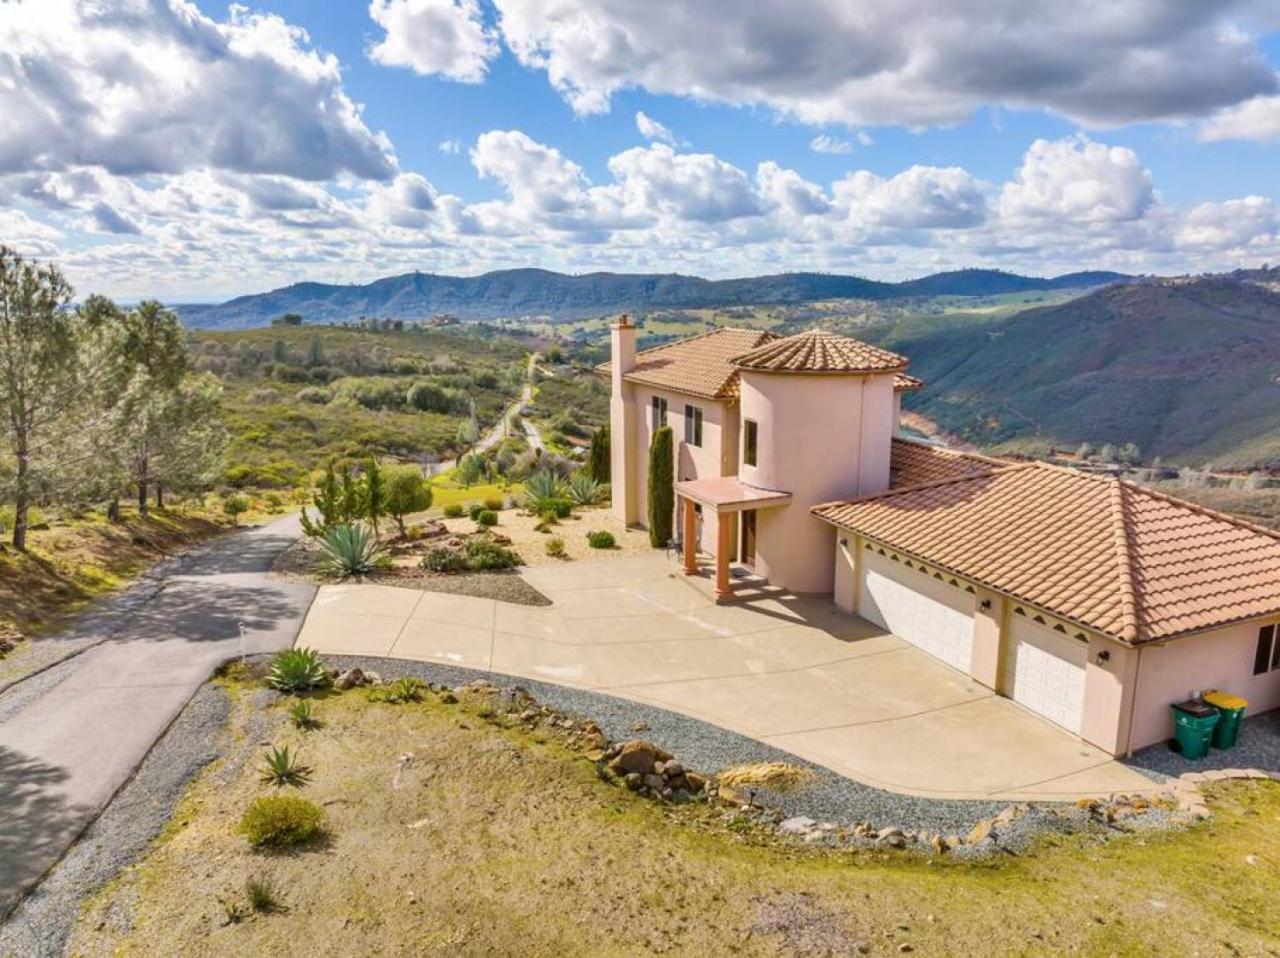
(72,735)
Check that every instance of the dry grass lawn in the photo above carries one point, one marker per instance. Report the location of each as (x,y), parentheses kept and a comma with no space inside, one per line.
(520,528)
(502,841)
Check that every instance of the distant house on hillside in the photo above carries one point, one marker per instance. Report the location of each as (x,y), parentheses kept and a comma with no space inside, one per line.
(1091,601)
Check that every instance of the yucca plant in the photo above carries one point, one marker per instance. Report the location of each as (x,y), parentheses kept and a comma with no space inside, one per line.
(586,491)
(350,549)
(283,767)
(297,670)
(303,716)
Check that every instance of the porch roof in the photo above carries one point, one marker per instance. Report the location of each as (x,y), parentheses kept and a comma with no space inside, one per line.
(730,494)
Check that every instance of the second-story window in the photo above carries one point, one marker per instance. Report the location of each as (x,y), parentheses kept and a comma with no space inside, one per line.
(693,425)
(749,441)
(658,413)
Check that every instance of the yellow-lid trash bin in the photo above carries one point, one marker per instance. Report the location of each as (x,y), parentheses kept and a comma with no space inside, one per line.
(1230,714)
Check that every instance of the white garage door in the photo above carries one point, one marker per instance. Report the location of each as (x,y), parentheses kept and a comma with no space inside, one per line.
(1044,670)
(930,614)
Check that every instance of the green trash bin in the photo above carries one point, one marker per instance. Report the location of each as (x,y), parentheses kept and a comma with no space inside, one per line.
(1193,723)
(1230,714)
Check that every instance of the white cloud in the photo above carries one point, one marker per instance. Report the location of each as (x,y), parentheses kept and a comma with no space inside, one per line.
(921,197)
(154,86)
(1078,180)
(651,129)
(880,61)
(1231,225)
(104,218)
(451,147)
(434,37)
(692,186)
(824,143)
(1256,119)
(789,191)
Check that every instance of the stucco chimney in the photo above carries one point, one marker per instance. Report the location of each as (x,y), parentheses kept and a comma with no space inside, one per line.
(623,424)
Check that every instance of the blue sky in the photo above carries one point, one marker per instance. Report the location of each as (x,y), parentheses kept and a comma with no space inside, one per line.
(240,148)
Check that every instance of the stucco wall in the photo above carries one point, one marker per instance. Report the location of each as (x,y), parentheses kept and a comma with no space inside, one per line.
(1222,659)
(820,438)
(715,457)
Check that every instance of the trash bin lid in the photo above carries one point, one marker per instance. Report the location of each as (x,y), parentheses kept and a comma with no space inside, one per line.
(1224,700)
(1195,707)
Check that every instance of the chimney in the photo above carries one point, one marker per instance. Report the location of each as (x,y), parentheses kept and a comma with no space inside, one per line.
(623,350)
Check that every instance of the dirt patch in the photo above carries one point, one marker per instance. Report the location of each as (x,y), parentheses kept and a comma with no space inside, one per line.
(456,828)
(526,538)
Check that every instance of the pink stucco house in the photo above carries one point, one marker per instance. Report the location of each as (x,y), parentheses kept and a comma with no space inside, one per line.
(1093,602)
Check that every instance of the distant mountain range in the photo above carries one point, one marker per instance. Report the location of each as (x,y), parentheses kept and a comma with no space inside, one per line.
(535,292)
(1188,369)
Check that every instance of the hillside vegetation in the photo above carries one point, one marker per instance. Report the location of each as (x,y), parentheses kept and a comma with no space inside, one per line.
(1187,370)
(535,292)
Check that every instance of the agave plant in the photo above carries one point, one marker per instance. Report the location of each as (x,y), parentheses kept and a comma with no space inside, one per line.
(407,689)
(297,670)
(350,549)
(586,491)
(283,767)
(543,485)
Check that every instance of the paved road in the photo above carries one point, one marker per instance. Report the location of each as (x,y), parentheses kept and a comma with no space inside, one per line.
(71,736)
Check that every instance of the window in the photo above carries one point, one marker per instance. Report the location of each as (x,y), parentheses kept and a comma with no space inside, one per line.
(749,432)
(693,425)
(1266,657)
(658,417)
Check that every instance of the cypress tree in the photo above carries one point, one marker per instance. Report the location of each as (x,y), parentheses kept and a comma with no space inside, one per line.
(599,464)
(662,492)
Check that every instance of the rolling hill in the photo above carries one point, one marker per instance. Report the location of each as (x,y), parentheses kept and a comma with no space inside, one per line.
(525,292)
(1187,369)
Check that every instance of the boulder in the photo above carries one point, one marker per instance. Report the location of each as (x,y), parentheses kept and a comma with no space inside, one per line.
(638,756)
(799,825)
(349,679)
(654,782)
(695,781)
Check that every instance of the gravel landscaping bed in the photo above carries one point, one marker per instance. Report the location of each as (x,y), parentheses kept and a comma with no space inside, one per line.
(705,747)
(1258,747)
(43,921)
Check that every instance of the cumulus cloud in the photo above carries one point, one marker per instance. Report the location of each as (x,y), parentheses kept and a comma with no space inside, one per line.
(1078,180)
(104,218)
(651,129)
(1256,119)
(879,61)
(154,86)
(921,197)
(445,38)
(692,186)
(1231,225)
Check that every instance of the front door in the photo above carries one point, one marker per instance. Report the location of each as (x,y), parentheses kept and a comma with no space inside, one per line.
(749,538)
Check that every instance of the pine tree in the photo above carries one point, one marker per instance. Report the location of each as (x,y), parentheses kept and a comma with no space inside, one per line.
(599,464)
(662,493)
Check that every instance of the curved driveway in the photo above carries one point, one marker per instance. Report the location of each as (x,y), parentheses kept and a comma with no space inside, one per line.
(794,672)
(72,735)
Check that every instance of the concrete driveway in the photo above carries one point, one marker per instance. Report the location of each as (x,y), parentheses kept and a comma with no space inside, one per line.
(791,671)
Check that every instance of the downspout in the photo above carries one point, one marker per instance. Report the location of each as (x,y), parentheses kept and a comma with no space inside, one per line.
(1133,703)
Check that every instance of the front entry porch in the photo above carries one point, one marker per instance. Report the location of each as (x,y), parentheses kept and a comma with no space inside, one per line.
(734,504)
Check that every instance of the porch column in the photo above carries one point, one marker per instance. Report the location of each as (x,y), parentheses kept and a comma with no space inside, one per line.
(724,548)
(690,536)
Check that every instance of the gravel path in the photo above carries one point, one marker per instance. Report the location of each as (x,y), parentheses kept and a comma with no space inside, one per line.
(1258,747)
(701,746)
(123,832)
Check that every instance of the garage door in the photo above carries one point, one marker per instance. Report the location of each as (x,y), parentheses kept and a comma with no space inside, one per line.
(930,614)
(1044,670)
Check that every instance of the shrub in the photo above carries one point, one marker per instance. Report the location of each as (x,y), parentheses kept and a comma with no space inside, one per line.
(283,767)
(541,488)
(487,517)
(493,503)
(443,559)
(303,716)
(406,492)
(485,554)
(453,510)
(662,493)
(471,469)
(235,506)
(601,539)
(297,670)
(281,820)
(555,547)
(349,549)
(586,491)
(316,395)
(407,689)
(474,509)
(599,462)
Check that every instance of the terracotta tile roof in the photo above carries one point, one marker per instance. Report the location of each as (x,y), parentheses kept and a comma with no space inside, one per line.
(818,351)
(1106,554)
(698,365)
(914,463)
(902,382)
